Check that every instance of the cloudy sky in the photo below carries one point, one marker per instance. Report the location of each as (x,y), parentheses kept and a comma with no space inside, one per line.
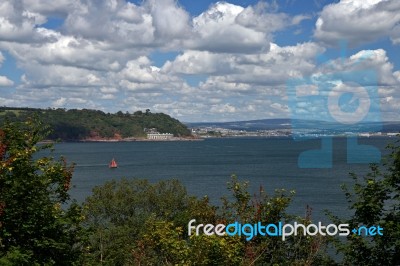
(197,60)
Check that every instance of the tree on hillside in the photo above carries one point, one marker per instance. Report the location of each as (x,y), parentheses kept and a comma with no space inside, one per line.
(271,209)
(72,125)
(374,200)
(134,222)
(121,214)
(34,227)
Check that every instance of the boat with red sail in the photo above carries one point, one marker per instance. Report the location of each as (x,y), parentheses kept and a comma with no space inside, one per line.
(113,164)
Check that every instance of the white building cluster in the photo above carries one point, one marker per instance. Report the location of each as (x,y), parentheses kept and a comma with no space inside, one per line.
(159,136)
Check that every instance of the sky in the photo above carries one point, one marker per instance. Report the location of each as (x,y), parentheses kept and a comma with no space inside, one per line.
(203,60)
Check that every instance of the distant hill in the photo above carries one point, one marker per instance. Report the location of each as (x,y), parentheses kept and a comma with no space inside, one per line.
(251,125)
(309,125)
(73,125)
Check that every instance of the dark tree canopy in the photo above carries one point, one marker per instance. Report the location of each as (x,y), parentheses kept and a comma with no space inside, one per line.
(82,124)
(374,200)
(34,228)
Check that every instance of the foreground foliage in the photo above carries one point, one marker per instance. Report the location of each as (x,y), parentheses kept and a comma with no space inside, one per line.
(133,222)
(34,228)
(374,200)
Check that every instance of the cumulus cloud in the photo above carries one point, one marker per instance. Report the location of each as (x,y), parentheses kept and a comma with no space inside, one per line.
(367,75)
(50,7)
(1,58)
(126,25)
(223,108)
(140,75)
(376,61)
(228,28)
(118,22)
(225,65)
(194,62)
(217,30)
(365,71)
(263,18)
(69,51)
(358,22)
(169,20)
(18,24)
(44,76)
(395,35)
(4,81)
(273,68)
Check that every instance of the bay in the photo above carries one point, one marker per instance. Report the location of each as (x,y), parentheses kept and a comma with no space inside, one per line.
(205,167)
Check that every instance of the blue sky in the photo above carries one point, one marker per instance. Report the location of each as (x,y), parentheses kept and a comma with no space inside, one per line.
(204,60)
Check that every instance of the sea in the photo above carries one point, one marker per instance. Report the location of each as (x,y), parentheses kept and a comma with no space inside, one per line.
(205,167)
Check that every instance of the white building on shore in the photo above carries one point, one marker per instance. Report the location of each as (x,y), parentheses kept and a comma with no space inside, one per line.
(159,136)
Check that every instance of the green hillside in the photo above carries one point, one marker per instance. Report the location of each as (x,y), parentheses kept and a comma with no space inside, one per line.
(72,125)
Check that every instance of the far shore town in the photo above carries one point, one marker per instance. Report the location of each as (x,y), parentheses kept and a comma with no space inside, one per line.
(218,132)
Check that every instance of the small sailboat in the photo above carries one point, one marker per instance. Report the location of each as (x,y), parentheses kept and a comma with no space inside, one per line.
(113,164)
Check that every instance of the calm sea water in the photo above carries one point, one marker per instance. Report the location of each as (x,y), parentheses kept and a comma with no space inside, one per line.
(205,167)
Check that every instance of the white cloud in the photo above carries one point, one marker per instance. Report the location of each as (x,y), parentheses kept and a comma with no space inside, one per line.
(109,90)
(200,62)
(367,72)
(1,58)
(272,67)
(140,74)
(126,25)
(365,60)
(299,18)
(8,102)
(396,35)
(257,17)
(50,7)
(60,76)
(249,72)
(169,20)
(223,108)
(218,30)
(4,81)
(17,24)
(358,22)
(69,51)
(119,23)
(58,96)
(100,56)
(131,13)
(228,28)
(60,102)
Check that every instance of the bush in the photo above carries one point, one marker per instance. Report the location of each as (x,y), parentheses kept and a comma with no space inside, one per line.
(375,200)
(34,227)
(133,222)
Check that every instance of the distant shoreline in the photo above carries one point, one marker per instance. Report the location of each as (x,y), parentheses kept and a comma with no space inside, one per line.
(141,140)
(201,138)
(119,140)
